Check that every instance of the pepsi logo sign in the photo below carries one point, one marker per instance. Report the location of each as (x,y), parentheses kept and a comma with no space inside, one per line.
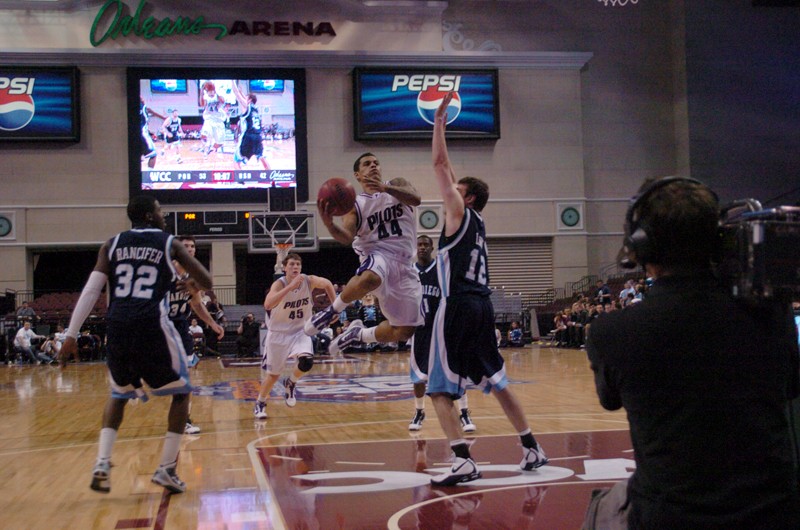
(429,100)
(16,104)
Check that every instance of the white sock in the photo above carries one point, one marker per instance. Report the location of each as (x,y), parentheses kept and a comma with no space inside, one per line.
(462,402)
(339,305)
(107,438)
(419,403)
(169,454)
(368,335)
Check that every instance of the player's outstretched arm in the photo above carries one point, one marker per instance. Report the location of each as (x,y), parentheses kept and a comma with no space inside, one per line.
(443,170)
(345,232)
(97,279)
(239,95)
(199,309)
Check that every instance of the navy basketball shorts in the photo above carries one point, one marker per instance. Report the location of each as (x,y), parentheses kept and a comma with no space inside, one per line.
(464,347)
(146,350)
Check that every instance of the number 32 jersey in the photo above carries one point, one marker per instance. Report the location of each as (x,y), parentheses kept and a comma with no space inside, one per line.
(463,258)
(141,274)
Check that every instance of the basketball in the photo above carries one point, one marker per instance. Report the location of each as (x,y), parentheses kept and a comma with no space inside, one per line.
(209,87)
(339,193)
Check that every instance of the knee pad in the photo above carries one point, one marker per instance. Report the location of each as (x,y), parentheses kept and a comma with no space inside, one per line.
(305,363)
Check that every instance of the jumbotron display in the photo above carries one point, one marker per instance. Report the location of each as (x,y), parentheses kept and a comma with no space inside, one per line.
(216,135)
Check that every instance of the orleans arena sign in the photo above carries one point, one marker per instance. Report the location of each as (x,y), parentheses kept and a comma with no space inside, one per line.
(115,19)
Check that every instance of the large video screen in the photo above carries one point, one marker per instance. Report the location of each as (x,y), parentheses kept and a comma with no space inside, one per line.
(39,103)
(211,135)
(399,103)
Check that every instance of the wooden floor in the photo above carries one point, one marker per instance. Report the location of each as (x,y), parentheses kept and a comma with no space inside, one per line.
(239,471)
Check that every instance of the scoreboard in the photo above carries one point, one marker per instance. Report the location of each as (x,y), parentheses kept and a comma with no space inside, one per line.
(213,178)
(212,224)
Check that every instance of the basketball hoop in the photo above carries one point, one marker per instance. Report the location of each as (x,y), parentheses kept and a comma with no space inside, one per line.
(282,251)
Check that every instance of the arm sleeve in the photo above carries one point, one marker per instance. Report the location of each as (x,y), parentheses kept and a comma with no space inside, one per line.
(86,301)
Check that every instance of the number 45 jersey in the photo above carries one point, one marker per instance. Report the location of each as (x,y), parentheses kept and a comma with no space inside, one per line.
(141,274)
(291,313)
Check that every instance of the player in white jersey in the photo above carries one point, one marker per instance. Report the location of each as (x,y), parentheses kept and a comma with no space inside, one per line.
(213,131)
(288,306)
(382,228)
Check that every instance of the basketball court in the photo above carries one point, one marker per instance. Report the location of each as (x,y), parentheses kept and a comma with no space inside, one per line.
(342,458)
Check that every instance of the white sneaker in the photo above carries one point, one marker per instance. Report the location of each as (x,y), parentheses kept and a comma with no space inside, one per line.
(166,476)
(463,470)
(532,457)
(101,476)
(348,338)
(191,429)
(260,410)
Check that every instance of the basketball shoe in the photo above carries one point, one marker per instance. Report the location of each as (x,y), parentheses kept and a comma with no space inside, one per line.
(319,321)
(101,476)
(466,421)
(166,476)
(350,337)
(260,410)
(463,470)
(290,385)
(532,457)
(416,421)
(191,428)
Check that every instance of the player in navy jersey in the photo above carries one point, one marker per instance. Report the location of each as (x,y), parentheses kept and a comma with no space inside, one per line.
(382,227)
(431,294)
(184,299)
(148,146)
(464,344)
(250,140)
(173,132)
(143,344)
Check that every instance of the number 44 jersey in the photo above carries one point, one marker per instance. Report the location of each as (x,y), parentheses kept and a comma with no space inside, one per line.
(141,274)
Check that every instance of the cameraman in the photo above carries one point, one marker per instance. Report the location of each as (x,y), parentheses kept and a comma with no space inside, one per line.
(247,341)
(705,380)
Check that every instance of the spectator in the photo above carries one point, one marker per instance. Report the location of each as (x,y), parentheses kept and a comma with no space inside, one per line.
(602,294)
(26,313)
(195,328)
(248,340)
(630,288)
(23,342)
(87,346)
(498,336)
(515,335)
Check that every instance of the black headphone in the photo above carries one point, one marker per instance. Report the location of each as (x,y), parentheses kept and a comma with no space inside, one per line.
(638,246)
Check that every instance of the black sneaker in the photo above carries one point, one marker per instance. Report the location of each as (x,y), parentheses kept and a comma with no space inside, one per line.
(466,421)
(319,321)
(291,401)
(416,422)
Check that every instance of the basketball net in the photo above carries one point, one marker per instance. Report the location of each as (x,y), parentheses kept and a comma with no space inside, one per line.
(282,251)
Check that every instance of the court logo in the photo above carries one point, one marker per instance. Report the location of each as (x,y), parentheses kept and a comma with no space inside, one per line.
(16,104)
(429,100)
